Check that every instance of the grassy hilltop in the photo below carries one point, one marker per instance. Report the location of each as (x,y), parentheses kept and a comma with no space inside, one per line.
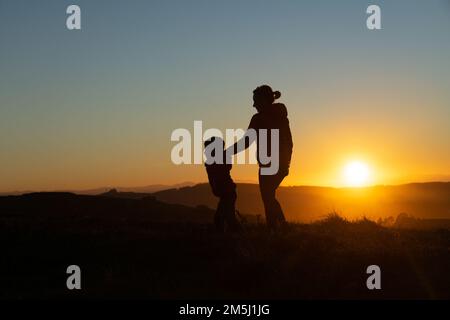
(143,248)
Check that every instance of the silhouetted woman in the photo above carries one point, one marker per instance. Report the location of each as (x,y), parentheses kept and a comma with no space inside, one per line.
(270,115)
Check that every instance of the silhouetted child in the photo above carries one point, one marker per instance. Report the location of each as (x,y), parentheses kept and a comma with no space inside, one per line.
(222,185)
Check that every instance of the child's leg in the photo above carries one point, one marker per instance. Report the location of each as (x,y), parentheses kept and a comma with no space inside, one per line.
(230,211)
(219,216)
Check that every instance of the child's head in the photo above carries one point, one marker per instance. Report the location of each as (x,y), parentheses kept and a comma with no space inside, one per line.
(212,145)
(215,140)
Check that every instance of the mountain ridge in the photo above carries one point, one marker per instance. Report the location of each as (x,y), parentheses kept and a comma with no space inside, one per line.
(310,203)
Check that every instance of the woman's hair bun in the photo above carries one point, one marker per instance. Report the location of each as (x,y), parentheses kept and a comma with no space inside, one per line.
(267,93)
(276,95)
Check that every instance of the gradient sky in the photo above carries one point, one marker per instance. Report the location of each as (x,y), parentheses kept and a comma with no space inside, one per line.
(96,107)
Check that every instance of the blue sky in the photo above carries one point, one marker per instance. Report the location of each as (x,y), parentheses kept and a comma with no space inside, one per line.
(96,107)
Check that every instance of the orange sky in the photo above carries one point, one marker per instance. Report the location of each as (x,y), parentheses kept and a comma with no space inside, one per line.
(97,108)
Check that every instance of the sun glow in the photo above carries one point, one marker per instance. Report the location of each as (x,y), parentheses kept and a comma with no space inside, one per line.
(356,174)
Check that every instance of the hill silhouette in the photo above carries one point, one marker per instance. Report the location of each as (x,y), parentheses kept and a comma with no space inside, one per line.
(307,203)
(64,205)
(95,191)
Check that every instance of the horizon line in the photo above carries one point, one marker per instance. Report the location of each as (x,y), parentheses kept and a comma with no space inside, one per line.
(191,184)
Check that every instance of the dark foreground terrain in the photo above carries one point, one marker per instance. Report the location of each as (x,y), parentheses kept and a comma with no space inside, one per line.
(143,248)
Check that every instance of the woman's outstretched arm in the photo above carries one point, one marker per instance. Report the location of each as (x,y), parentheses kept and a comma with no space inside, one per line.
(246,141)
(243,143)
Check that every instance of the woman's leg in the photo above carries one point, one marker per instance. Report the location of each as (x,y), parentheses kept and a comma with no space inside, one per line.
(268,186)
(268,197)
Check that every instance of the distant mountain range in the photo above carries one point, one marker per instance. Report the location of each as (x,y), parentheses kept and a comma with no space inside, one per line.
(301,203)
(144,189)
(307,203)
(410,205)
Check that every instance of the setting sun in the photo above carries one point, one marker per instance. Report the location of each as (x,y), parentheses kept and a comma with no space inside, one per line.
(356,174)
